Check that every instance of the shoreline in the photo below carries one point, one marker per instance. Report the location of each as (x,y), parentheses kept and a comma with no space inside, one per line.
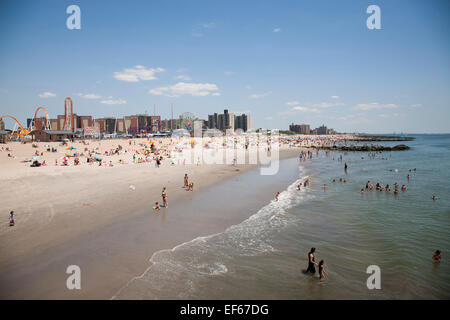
(83,235)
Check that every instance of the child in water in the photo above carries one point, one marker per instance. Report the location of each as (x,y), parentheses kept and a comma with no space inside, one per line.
(157,206)
(322,270)
(437,256)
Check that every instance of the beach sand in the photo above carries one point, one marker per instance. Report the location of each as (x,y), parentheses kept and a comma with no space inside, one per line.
(89,216)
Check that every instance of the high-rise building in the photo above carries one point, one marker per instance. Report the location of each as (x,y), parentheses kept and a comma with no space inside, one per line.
(322,130)
(225,121)
(242,122)
(300,128)
(213,121)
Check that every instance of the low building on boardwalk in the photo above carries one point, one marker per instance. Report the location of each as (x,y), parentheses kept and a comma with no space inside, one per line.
(51,135)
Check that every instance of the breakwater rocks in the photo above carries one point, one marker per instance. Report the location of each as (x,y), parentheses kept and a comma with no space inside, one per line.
(365,148)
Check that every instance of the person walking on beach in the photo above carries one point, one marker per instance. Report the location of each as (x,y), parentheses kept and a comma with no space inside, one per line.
(186,181)
(311,263)
(164,197)
(11,219)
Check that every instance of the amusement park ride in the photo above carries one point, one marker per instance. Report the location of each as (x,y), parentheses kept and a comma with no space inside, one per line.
(24,133)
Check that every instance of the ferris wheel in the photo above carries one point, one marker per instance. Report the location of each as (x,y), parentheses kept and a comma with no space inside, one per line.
(187,121)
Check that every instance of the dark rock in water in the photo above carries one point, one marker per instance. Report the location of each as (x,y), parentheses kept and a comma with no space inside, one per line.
(400,147)
(365,148)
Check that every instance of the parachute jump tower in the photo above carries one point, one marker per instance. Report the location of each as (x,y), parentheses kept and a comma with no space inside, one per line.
(69,123)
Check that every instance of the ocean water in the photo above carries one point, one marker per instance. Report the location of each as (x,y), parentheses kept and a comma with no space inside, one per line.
(263,257)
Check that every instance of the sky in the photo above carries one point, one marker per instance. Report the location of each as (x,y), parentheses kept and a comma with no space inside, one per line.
(282,62)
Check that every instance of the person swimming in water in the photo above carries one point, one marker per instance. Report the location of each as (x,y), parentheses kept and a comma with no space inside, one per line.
(311,263)
(437,256)
(434,197)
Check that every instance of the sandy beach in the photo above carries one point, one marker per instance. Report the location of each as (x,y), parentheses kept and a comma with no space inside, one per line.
(88,215)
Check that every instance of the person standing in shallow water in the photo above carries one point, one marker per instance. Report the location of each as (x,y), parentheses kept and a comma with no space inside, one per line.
(311,263)
(437,256)
(164,197)
(322,271)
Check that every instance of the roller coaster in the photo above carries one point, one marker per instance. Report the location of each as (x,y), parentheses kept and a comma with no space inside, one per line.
(33,122)
(24,134)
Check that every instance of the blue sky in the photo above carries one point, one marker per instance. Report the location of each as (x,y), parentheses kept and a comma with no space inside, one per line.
(310,62)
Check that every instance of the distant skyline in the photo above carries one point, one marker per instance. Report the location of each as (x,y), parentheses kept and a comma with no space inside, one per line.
(282,62)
